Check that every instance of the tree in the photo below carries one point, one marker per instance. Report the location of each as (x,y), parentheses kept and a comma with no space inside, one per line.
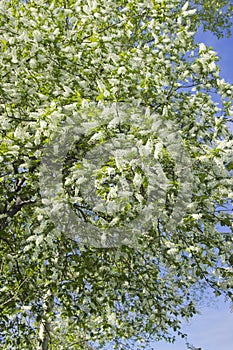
(215,16)
(116,172)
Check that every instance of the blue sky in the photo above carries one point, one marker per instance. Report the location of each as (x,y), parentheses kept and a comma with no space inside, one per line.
(224,48)
(213,329)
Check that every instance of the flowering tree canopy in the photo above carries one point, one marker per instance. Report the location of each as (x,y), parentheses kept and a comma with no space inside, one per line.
(116,171)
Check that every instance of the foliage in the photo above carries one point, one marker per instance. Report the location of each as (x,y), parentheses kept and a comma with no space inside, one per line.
(216,16)
(65,62)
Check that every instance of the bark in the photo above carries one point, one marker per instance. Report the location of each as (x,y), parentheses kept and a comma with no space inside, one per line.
(45,327)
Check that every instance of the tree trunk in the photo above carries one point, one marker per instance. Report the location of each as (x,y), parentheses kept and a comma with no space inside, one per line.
(44,332)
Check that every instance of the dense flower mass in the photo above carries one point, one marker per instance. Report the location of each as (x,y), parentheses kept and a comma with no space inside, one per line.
(115,170)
